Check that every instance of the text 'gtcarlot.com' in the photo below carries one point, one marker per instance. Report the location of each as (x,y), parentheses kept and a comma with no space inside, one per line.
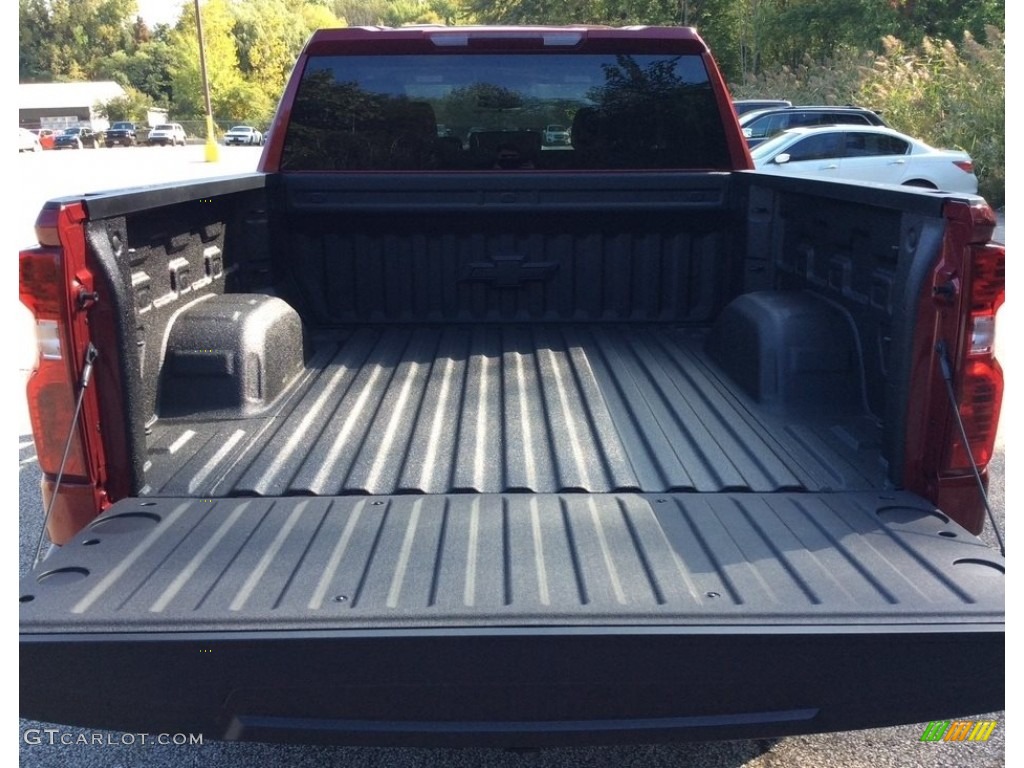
(55,736)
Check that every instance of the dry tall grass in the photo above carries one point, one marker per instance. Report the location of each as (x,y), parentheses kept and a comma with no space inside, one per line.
(946,95)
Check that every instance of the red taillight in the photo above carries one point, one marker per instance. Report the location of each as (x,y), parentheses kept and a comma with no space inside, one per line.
(40,282)
(53,278)
(980,396)
(955,350)
(964,165)
(51,387)
(979,384)
(988,278)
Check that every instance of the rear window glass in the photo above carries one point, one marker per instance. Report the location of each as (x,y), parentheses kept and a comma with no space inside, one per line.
(845,118)
(497,112)
(874,144)
(817,147)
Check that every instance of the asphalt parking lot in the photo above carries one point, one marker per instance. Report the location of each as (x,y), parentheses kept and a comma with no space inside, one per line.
(53,174)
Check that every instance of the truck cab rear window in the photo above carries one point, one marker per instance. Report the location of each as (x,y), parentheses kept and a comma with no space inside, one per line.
(443,112)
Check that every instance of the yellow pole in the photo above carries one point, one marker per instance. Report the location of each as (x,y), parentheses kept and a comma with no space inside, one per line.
(212,152)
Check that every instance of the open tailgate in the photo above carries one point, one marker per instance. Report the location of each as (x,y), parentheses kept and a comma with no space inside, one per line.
(514,619)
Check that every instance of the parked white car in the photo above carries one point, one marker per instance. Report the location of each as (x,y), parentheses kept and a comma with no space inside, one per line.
(28,141)
(866,153)
(167,133)
(243,134)
(557,134)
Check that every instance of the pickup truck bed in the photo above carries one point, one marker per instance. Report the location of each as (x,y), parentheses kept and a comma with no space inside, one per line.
(554,464)
(529,409)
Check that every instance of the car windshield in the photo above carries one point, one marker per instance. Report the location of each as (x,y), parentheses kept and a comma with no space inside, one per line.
(123,125)
(164,128)
(748,117)
(72,131)
(240,129)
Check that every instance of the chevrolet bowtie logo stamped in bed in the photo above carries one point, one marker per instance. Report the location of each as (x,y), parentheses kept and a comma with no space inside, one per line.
(508,271)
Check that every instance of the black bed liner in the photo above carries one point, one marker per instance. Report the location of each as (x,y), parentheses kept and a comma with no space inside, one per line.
(516,560)
(514,620)
(493,409)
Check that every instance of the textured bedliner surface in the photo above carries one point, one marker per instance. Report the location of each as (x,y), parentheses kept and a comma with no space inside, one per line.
(497,409)
(517,560)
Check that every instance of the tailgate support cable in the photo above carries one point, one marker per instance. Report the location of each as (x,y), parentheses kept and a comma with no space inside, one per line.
(91,353)
(947,375)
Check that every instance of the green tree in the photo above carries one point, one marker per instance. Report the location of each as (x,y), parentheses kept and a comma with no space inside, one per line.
(359,13)
(132,106)
(147,69)
(947,19)
(65,39)
(231,96)
(318,15)
(401,12)
(537,11)
(35,32)
(448,11)
(269,35)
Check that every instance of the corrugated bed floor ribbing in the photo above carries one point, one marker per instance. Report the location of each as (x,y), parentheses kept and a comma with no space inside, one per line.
(516,560)
(491,409)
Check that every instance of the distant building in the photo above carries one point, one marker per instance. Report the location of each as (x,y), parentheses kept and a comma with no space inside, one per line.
(58,105)
(155,116)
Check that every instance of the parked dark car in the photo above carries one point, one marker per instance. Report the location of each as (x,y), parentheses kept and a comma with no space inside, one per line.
(77,137)
(125,134)
(762,124)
